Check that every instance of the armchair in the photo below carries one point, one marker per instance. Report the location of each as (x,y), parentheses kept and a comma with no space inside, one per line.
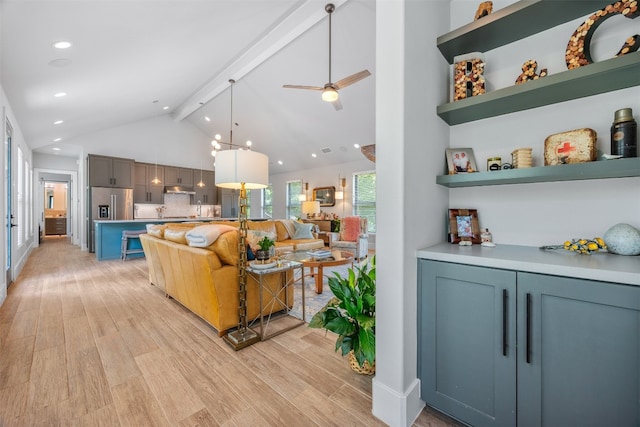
(353,237)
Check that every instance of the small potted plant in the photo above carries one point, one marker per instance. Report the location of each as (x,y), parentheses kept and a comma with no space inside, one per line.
(352,315)
(264,252)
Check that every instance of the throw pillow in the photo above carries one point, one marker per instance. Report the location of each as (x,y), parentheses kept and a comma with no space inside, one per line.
(350,228)
(302,230)
(204,235)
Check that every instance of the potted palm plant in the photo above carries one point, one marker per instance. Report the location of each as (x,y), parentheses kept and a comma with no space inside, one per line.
(351,314)
(264,253)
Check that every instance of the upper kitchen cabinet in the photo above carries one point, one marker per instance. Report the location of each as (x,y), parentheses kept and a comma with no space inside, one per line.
(178,176)
(207,195)
(145,191)
(111,172)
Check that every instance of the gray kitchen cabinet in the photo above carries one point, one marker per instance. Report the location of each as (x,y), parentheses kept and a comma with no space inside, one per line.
(207,195)
(145,191)
(579,358)
(466,341)
(110,171)
(178,176)
(575,361)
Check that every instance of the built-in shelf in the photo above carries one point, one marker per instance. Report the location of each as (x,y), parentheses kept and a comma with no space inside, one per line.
(514,22)
(599,77)
(619,168)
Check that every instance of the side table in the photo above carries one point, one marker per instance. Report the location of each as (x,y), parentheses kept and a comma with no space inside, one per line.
(278,298)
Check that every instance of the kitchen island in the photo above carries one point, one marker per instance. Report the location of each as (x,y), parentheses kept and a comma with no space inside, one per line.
(108,234)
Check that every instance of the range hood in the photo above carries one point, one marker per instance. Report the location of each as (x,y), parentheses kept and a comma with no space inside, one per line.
(178,189)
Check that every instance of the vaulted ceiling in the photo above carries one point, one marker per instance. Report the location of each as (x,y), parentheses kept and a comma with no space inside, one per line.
(130,59)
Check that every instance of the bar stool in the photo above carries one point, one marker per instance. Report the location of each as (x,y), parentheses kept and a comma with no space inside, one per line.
(126,236)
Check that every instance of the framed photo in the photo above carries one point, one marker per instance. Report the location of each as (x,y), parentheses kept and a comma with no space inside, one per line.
(463,225)
(460,160)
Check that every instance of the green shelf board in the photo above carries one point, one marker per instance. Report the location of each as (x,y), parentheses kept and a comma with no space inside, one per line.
(514,22)
(600,77)
(618,168)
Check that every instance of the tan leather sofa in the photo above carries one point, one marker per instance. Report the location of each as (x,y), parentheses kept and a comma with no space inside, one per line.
(205,280)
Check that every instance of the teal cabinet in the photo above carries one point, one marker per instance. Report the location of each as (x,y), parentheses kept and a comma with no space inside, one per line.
(467,342)
(502,347)
(579,359)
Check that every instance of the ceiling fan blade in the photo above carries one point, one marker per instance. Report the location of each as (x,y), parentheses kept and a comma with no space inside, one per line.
(337,104)
(347,81)
(303,87)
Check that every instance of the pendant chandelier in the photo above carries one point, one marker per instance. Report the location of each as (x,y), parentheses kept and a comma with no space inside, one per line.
(217,142)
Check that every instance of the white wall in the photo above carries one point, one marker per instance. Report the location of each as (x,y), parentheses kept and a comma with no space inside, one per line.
(410,144)
(159,139)
(21,252)
(319,177)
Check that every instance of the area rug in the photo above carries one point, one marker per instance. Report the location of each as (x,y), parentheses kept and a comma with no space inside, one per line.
(313,301)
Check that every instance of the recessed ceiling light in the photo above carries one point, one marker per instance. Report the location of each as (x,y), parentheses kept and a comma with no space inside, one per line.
(56,149)
(313,155)
(279,162)
(57,139)
(60,94)
(207,118)
(166,107)
(58,122)
(356,145)
(61,44)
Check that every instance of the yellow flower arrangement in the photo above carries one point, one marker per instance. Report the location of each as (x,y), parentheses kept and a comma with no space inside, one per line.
(581,246)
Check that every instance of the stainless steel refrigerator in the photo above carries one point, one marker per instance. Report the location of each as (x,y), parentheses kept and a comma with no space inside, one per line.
(109,204)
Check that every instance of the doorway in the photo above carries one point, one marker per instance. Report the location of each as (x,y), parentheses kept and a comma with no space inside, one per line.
(8,213)
(56,208)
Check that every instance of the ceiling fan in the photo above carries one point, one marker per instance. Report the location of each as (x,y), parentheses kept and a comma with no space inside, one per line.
(330,90)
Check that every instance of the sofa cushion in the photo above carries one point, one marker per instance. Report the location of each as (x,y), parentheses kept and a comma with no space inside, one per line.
(226,247)
(351,228)
(204,235)
(156,230)
(302,230)
(285,229)
(176,235)
(308,244)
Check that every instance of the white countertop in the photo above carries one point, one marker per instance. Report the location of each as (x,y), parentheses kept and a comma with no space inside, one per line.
(558,262)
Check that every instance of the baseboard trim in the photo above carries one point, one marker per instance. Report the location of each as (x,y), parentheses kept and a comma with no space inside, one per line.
(396,409)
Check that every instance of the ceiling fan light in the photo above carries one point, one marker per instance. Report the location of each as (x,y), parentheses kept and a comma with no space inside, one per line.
(329,94)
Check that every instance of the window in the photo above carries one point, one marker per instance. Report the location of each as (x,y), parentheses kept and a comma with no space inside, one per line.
(364,197)
(267,204)
(294,189)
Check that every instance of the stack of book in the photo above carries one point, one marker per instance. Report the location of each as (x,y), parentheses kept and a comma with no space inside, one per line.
(319,253)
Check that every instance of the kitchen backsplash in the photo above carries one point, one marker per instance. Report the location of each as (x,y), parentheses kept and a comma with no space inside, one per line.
(175,206)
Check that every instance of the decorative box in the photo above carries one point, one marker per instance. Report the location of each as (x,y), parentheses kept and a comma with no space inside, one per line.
(575,146)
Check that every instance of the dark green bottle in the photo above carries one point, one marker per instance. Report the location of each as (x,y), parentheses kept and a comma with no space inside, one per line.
(624,134)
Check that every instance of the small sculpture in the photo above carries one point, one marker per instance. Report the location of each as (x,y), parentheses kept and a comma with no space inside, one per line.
(485,8)
(529,72)
(468,79)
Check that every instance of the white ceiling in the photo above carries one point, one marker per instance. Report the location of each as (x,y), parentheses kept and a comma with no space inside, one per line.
(126,54)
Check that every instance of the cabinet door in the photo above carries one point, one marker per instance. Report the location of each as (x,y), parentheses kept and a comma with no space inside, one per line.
(123,173)
(100,171)
(467,336)
(206,194)
(140,188)
(178,176)
(156,191)
(582,339)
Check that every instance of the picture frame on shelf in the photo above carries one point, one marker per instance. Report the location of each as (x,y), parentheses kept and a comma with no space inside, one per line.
(460,160)
(463,226)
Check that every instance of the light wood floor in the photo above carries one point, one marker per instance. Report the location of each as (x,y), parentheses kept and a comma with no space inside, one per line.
(87,343)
